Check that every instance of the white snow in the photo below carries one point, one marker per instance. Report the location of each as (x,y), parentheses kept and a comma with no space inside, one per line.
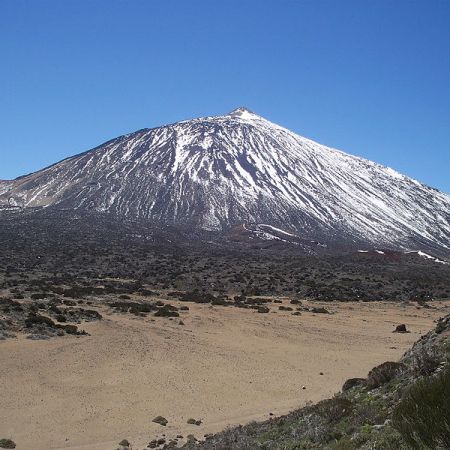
(279,230)
(426,255)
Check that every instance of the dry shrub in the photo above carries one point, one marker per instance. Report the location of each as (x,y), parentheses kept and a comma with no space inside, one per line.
(384,373)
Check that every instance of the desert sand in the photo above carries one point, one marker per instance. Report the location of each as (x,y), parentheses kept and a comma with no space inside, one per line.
(224,366)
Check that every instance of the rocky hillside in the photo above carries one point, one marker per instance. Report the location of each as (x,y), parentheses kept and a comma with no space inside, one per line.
(214,173)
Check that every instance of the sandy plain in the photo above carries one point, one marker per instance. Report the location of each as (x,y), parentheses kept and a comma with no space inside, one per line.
(225,366)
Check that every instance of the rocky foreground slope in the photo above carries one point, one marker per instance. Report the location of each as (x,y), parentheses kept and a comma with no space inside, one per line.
(214,173)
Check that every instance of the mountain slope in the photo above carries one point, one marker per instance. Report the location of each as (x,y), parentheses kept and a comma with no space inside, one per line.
(216,172)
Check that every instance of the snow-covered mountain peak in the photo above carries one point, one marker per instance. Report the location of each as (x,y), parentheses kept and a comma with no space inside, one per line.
(219,171)
(242,111)
(246,116)
(241,116)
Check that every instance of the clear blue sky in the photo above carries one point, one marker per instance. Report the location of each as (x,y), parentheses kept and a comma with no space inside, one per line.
(369,77)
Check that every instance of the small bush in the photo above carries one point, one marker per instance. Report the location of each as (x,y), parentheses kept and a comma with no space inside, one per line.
(442,325)
(33,319)
(285,308)
(352,382)
(91,314)
(384,373)
(388,439)
(343,444)
(161,420)
(426,363)
(132,307)
(423,415)
(7,443)
(70,329)
(334,409)
(167,311)
(192,421)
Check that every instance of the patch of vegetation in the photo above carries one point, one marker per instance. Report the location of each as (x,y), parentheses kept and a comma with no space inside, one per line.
(192,421)
(135,308)
(160,420)
(7,443)
(36,319)
(423,415)
(383,373)
(167,311)
(352,382)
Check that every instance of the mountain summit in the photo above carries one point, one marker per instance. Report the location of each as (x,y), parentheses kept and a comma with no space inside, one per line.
(242,111)
(239,168)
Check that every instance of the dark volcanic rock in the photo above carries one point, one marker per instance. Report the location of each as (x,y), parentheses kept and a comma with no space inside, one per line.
(401,329)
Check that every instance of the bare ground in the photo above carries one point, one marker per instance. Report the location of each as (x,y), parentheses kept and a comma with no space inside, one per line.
(225,366)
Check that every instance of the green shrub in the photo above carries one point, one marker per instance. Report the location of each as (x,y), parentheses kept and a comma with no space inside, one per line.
(423,415)
(352,382)
(389,439)
(334,409)
(426,362)
(343,444)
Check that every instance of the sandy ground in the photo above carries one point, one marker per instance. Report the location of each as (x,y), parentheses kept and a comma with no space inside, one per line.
(225,366)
